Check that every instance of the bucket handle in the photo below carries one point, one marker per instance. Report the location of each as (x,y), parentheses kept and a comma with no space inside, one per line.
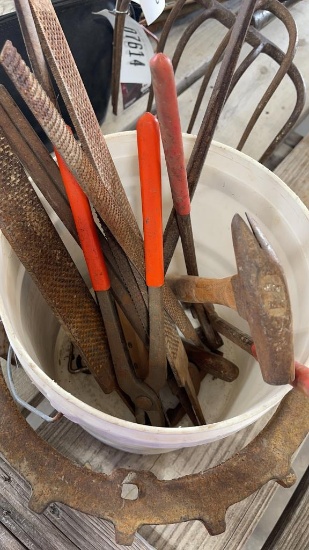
(15,395)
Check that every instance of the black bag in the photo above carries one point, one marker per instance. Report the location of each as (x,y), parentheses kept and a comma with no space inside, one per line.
(90,38)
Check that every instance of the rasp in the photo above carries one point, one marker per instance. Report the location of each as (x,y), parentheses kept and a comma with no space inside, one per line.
(33,47)
(85,122)
(34,239)
(70,84)
(72,89)
(43,170)
(100,197)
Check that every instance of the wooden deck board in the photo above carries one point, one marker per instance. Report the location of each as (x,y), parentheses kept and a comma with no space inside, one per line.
(8,541)
(291,530)
(293,170)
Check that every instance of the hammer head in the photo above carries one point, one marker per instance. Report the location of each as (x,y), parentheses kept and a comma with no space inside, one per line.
(262,299)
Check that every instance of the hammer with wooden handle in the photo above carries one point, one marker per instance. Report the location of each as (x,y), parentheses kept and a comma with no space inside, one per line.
(258,292)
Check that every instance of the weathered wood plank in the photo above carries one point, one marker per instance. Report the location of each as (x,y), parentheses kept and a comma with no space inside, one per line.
(35,531)
(87,532)
(58,528)
(8,541)
(294,169)
(291,531)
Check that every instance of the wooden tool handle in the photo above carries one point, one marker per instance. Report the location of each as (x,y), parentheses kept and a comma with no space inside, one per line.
(148,142)
(86,228)
(165,93)
(200,290)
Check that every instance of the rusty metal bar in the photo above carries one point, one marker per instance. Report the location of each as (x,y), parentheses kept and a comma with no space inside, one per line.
(121,10)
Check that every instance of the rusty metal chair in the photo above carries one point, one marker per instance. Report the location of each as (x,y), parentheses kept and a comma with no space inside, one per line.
(258,44)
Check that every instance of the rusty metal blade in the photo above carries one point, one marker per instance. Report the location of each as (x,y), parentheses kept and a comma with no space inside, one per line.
(139,392)
(86,175)
(34,157)
(262,298)
(45,173)
(91,183)
(156,378)
(34,239)
(33,47)
(72,89)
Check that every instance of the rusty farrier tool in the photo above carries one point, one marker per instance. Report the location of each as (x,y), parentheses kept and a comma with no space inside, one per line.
(142,396)
(260,295)
(149,159)
(164,87)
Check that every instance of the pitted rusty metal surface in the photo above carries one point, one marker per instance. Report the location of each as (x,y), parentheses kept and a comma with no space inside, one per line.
(100,197)
(259,293)
(45,173)
(74,156)
(204,496)
(106,183)
(85,173)
(71,86)
(34,239)
(43,170)
(35,158)
(262,298)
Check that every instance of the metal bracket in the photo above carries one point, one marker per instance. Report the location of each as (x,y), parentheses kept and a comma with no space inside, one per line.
(205,496)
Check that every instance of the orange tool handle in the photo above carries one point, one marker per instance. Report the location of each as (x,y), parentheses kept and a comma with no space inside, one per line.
(86,228)
(165,93)
(149,158)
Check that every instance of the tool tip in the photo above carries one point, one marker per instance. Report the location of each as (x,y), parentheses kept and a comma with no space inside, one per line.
(260,237)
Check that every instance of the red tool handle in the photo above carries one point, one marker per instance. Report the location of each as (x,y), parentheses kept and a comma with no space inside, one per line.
(149,158)
(86,228)
(301,381)
(164,88)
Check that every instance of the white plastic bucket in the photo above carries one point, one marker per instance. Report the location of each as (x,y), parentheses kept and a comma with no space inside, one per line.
(230,182)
